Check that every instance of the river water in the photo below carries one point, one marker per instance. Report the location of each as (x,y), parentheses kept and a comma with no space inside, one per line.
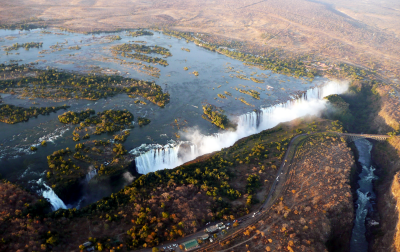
(156,145)
(365,195)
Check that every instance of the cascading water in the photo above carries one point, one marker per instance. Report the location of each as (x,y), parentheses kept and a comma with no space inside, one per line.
(91,174)
(365,194)
(156,157)
(55,201)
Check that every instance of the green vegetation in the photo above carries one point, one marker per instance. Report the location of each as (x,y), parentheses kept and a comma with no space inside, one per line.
(12,114)
(185,68)
(294,67)
(196,73)
(114,38)
(216,117)
(164,205)
(227,93)
(62,85)
(141,33)
(253,93)
(221,96)
(245,102)
(243,77)
(122,136)
(16,46)
(185,49)
(225,183)
(143,121)
(24,25)
(74,47)
(75,117)
(256,80)
(126,48)
(339,111)
(104,122)
(67,168)
(355,107)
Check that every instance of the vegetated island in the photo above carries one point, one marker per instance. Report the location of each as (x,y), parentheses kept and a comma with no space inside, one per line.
(104,122)
(27,46)
(253,93)
(216,117)
(140,33)
(34,83)
(140,50)
(13,114)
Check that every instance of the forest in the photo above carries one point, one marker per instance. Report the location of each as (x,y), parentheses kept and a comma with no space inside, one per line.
(13,114)
(55,84)
(140,51)
(104,122)
(295,67)
(67,168)
(16,46)
(216,116)
(141,33)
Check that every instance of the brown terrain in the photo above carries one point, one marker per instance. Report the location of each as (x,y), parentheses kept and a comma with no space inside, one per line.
(357,32)
(387,156)
(315,210)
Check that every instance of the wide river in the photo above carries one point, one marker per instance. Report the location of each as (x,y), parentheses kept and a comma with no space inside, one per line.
(182,116)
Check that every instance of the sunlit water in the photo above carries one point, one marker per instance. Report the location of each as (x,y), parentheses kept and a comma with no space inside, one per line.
(188,93)
(365,195)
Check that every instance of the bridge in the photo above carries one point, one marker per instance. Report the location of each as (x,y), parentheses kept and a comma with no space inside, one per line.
(352,137)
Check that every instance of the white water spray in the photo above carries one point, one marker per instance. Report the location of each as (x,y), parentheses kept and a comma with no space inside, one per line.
(156,157)
(91,174)
(55,201)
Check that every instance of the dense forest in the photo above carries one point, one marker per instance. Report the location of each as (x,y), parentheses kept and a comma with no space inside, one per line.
(216,117)
(67,168)
(104,122)
(141,33)
(55,84)
(13,114)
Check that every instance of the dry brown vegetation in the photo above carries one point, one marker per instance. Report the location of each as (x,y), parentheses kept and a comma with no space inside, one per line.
(20,231)
(359,32)
(387,156)
(388,117)
(315,208)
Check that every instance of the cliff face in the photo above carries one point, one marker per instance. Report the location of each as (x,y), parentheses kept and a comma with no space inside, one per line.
(388,117)
(387,156)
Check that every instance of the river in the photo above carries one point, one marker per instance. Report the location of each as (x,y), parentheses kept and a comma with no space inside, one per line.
(365,195)
(156,145)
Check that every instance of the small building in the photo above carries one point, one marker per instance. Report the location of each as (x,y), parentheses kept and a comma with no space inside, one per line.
(204,237)
(190,245)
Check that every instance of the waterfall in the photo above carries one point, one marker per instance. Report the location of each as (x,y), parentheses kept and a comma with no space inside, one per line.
(156,157)
(91,174)
(55,201)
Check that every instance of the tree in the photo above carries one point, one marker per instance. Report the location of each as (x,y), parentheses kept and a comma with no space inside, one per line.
(155,249)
